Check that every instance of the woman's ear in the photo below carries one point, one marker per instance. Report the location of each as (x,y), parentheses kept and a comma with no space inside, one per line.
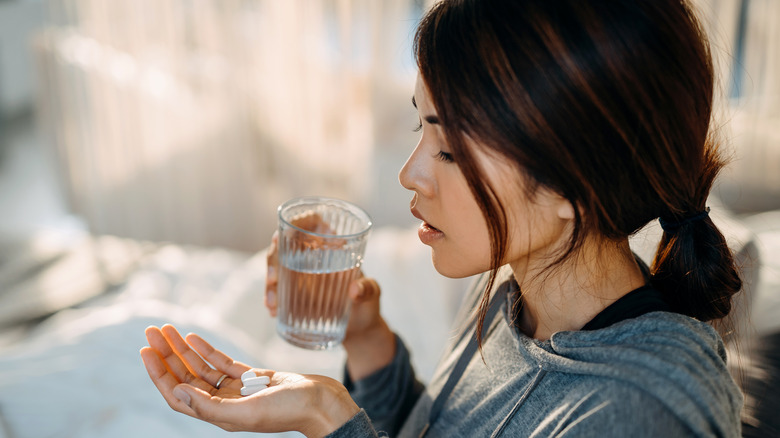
(554,204)
(565,209)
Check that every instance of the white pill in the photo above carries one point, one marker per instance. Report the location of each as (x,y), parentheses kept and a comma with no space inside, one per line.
(249,390)
(256,381)
(248,375)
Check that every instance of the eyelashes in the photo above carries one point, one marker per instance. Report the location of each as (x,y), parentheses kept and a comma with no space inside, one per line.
(441,155)
(445,156)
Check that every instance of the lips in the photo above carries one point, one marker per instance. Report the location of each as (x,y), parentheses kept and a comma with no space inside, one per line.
(430,226)
(417,214)
(427,233)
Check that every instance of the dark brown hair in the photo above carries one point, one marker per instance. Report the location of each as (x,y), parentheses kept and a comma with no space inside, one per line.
(605,102)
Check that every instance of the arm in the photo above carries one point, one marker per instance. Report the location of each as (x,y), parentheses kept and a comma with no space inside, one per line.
(388,394)
(379,374)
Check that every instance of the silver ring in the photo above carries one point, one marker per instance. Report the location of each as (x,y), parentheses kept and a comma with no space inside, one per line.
(219,382)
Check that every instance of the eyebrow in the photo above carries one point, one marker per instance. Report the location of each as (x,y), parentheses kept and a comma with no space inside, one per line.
(433,120)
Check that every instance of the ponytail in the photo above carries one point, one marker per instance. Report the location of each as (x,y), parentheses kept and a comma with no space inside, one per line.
(694,267)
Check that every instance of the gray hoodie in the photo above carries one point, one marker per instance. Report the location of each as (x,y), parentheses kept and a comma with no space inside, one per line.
(657,375)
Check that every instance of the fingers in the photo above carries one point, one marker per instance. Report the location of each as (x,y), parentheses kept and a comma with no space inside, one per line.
(171,360)
(312,222)
(186,381)
(222,362)
(188,399)
(364,289)
(163,380)
(192,360)
(365,315)
(272,276)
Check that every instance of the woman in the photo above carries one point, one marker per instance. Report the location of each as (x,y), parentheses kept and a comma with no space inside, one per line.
(551,132)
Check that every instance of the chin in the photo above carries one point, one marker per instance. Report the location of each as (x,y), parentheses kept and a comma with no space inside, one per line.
(451,268)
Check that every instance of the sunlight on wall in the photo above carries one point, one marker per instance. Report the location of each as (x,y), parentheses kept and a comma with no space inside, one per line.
(191,121)
(745,37)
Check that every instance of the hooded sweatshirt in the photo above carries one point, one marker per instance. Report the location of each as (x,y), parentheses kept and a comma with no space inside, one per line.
(660,374)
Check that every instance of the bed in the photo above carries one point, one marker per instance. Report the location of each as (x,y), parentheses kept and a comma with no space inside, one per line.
(73,318)
(76,371)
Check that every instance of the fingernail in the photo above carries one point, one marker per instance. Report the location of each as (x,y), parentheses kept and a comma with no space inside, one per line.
(271,298)
(182,395)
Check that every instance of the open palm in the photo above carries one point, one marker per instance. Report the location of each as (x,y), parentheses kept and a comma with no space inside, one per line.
(186,373)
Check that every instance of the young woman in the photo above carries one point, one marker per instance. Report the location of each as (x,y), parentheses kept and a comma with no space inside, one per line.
(551,132)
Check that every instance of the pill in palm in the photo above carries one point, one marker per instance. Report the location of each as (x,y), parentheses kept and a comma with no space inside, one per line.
(256,381)
(249,390)
(248,375)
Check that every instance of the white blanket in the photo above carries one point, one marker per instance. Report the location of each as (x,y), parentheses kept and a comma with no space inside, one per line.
(79,374)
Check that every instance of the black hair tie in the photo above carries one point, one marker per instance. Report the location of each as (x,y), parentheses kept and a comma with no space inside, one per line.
(671,225)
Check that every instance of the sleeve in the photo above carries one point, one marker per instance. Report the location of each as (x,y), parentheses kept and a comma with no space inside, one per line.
(359,426)
(388,395)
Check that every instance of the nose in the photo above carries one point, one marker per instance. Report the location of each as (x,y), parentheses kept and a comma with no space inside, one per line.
(417,173)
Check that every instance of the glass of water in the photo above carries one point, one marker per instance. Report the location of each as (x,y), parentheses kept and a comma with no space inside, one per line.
(321,246)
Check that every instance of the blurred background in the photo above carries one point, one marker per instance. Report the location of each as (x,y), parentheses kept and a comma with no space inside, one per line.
(145,145)
(190,121)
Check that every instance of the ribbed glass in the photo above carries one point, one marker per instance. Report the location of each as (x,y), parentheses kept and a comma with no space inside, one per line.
(321,247)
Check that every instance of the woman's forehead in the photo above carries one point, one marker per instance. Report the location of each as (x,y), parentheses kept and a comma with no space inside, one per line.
(421,98)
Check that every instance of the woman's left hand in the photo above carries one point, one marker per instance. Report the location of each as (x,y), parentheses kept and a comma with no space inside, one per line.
(313,405)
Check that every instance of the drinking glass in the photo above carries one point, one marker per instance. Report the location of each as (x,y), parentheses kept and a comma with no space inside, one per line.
(321,246)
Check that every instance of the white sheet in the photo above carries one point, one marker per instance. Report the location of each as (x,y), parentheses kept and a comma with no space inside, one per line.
(79,374)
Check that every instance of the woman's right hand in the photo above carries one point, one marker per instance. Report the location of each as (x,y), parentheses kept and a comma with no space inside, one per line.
(369,342)
(187,373)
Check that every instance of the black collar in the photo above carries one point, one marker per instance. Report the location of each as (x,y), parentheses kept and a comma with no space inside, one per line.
(639,301)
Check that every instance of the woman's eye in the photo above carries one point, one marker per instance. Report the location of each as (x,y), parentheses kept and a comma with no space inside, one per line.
(418,127)
(445,156)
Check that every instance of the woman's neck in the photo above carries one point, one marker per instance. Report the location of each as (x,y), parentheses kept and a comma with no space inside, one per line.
(573,293)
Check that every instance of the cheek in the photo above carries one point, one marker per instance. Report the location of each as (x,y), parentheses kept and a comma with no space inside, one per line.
(469,226)
(476,235)
(466,250)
